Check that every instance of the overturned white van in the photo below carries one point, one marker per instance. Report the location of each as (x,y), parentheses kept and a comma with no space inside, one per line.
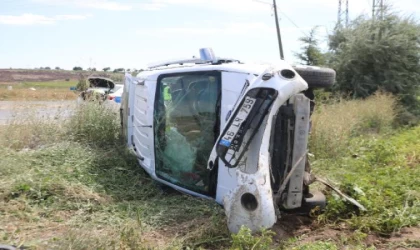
(220,129)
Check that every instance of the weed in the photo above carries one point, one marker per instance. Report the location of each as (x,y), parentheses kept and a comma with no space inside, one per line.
(320,245)
(383,181)
(333,125)
(244,240)
(94,124)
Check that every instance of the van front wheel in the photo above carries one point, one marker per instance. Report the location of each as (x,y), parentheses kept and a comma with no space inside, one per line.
(316,77)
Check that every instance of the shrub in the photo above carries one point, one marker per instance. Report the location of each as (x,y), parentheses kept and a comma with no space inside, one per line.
(94,124)
(82,84)
(370,55)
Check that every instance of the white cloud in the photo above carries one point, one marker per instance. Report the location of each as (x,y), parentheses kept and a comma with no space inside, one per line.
(151,6)
(92,4)
(31,19)
(25,19)
(70,17)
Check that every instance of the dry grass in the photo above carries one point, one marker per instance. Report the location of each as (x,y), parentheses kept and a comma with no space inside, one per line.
(36,95)
(70,184)
(333,125)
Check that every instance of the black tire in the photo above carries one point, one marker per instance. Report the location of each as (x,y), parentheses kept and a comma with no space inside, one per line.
(316,77)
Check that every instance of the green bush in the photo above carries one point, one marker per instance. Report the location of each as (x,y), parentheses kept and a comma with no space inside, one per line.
(381,54)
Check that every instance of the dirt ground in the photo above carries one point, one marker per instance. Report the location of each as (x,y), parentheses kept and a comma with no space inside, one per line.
(8,76)
(14,75)
(308,230)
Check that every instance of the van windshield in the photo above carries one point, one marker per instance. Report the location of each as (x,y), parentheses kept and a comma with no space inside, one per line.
(186,126)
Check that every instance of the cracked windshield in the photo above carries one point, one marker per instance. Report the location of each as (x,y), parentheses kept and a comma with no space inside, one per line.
(186,128)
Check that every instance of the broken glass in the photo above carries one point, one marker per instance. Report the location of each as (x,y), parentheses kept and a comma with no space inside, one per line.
(186,127)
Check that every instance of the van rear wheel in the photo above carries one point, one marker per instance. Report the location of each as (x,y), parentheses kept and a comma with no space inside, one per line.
(316,77)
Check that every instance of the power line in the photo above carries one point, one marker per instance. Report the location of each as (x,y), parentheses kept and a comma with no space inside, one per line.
(294,24)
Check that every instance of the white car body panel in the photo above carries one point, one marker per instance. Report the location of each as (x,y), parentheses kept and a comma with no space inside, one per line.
(258,183)
(232,183)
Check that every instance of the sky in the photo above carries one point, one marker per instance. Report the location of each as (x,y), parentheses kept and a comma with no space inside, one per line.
(133,33)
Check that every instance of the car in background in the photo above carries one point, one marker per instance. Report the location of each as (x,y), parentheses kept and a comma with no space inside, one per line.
(99,89)
(116,93)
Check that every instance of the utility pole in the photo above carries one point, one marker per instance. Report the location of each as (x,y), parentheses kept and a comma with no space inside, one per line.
(278,30)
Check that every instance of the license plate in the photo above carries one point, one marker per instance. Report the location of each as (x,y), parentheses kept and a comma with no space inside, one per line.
(237,121)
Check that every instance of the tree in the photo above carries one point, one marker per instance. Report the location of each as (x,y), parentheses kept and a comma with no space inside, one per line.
(48,68)
(77,68)
(106,69)
(57,68)
(311,54)
(381,54)
(118,70)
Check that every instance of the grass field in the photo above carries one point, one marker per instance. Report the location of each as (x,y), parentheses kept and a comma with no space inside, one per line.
(71,185)
(46,91)
(49,84)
